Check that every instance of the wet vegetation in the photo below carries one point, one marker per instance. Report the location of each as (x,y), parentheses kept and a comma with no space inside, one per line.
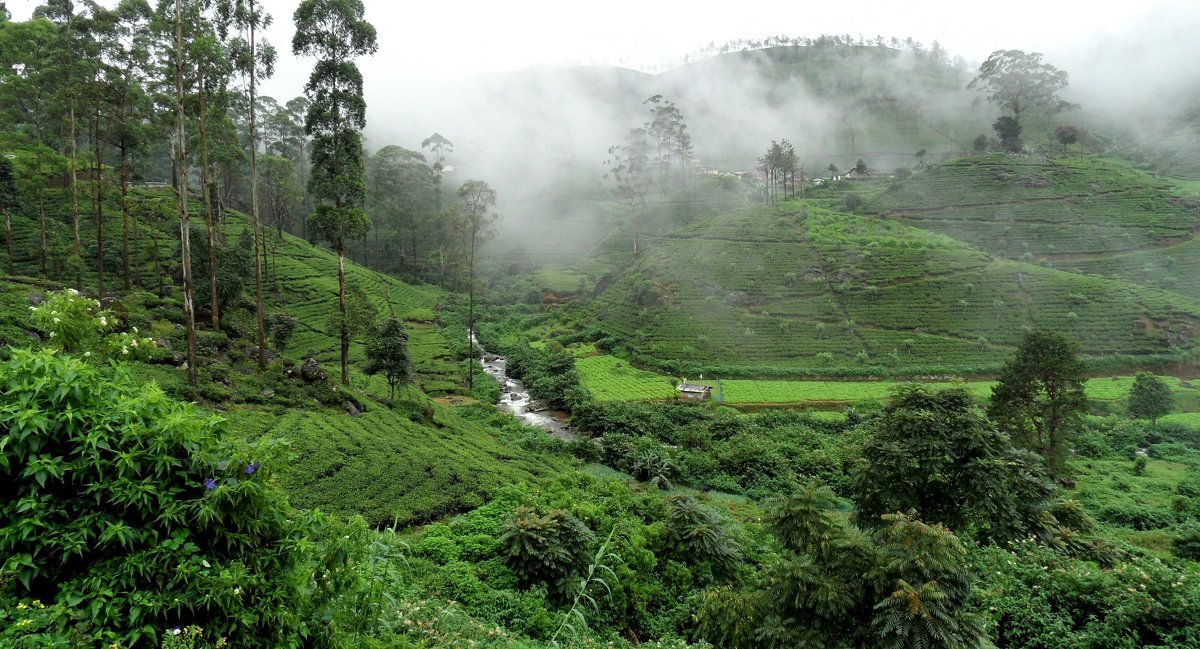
(952,400)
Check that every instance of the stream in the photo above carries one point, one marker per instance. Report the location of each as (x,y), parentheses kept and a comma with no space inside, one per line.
(515,399)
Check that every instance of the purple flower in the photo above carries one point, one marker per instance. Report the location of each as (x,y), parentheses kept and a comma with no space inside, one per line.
(210,484)
(251,468)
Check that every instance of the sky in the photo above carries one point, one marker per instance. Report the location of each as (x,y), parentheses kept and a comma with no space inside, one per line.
(419,40)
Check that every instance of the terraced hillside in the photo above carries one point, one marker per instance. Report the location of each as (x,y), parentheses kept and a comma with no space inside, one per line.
(1067,211)
(802,289)
(409,461)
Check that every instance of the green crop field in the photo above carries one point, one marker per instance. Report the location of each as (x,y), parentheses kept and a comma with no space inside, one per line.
(1030,208)
(609,378)
(801,289)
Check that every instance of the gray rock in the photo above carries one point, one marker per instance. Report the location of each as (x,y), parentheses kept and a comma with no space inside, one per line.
(267,394)
(163,343)
(352,409)
(311,371)
(270,356)
(36,299)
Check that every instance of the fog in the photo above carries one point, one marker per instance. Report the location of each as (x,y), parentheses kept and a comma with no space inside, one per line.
(533,93)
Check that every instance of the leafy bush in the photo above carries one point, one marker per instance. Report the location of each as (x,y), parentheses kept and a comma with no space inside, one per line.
(551,548)
(121,507)
(281,327)
(1187,543)
(77,324)
(1137,517)
(696,533)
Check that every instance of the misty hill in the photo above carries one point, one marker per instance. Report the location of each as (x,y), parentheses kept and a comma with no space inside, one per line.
(530,129)
(807,289)
(1060,210)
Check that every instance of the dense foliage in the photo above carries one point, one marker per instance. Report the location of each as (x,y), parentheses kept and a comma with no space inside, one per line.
(936,455)
(123,509)
(1039,396)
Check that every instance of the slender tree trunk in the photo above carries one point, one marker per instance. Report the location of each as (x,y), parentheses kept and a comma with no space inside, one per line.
(98,202)
(471,316)
(275,271)
(43,251)
(208,212)
(137,250)
(258,284)
(189,311)
(45,248)
(8,238)
(154,257)
(75,204)
(345,329)
(125,213)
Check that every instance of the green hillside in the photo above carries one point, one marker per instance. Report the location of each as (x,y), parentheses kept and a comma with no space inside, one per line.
(805,289)
(416,461)
(1068,211)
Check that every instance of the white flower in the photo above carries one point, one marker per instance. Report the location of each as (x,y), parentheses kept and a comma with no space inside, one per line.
(57,320)
(124,350)
(51,334)
(72,291)
(135,330)
(237,591)
(103,321)
(86,354)
(134,342)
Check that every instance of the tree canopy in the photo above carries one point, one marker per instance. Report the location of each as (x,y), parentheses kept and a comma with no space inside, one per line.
(1150,397)
(387,353)
(1039,397)
(1020,81)
(936,454)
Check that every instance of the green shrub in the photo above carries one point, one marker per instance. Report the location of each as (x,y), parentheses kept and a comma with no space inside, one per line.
(695,533)
(121,507)
(76,324)
(211,343)
(281,327)
(551,548)
(1187,543)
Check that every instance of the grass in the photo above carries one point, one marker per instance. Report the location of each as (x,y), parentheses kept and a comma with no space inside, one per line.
(609,378)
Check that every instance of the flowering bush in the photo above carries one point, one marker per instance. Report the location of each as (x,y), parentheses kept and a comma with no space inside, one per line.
(77,325)
(124,511)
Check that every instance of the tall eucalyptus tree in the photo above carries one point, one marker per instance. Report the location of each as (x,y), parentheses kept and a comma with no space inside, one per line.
(336,32)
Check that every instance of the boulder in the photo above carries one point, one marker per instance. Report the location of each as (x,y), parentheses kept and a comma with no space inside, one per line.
(311,371)
(252,353)
(163,343)
(36,299)
(352,409)
(267,394)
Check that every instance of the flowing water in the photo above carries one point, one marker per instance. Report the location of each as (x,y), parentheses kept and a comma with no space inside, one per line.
(515,399)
